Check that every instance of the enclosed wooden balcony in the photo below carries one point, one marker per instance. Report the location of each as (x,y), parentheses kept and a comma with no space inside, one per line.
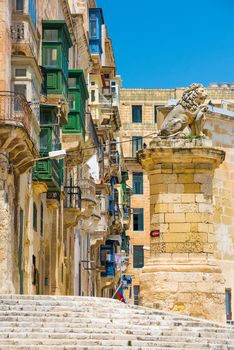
(17,134)
(24,39)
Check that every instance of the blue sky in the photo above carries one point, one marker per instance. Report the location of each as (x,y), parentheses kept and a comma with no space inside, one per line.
(171,43)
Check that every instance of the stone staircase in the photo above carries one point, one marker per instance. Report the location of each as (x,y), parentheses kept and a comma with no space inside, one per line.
(56,322)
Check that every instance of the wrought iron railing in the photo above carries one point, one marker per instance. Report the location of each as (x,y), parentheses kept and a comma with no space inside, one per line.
(72,197)
(15,109)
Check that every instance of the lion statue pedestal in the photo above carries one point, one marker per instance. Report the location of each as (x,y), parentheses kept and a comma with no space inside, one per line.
(182,274)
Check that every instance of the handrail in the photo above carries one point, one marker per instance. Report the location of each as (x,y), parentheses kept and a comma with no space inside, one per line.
(15,108)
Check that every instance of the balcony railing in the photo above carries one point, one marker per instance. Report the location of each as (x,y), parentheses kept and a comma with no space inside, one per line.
(72,197)
(15,110)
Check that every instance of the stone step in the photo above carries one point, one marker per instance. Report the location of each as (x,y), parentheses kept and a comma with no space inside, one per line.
(70,301)
(75,325)
(109,316)
(97,322)
(111,337)
(109,342)
(103,347)
(77,347)
(87,323)
(95,309)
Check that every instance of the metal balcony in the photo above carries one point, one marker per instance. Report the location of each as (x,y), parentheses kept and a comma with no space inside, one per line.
(22,146)
(72,205)
(72,197)
(15,110)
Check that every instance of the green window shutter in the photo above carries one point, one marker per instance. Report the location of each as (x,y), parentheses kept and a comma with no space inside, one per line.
(137,180)
(34,216)
(138,256)
(136,145)
(138,219)
(52,80)
(137,114)
(155,114)
(136,290)
(42,220)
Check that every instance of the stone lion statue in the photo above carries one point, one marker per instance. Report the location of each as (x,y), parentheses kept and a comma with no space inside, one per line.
(188,116)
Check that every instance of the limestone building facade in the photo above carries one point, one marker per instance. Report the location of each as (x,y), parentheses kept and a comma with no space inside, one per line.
(56,214)
(142,113)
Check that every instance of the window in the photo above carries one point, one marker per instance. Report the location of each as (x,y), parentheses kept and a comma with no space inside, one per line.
(42,220)
(136,144)
(138,256)
(92,95)
(44,140)
(51,56)
(71,82)
(93,25)
(155,114)
(138,219)
(113,87)
(137,114)
(136,294)
(20,72)
(50,35)
(32,11)
(137,183)
(19,89)
(72,101)
(19,5)
(228,297)
(34,216)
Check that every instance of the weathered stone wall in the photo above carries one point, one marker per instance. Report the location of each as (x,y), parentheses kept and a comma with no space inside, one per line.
(182,274)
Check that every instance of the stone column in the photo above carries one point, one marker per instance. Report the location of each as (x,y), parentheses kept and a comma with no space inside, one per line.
(7,228)
(182,274)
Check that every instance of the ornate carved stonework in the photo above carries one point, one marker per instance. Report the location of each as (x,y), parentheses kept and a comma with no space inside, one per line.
(188,116)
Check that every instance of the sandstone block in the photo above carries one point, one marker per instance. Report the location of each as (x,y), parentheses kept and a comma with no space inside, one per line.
(203,178)
(157,218)
(192,188)
(169,218)
(183,168)
(205,208)
(175,237)
(158,188)
(185,178)
(202,227)
(186,208)
(169,198)
(179,227)
(187,198)
(198,217)
(163,178)
(161,208)
(175,188)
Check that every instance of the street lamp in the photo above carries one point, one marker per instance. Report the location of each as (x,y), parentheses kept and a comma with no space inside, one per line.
(60,154)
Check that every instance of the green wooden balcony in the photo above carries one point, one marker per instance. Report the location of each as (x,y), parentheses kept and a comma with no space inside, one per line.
(48,171)
(77,96)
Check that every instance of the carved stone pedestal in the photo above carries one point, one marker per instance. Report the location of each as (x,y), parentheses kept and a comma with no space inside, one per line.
(182,275)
